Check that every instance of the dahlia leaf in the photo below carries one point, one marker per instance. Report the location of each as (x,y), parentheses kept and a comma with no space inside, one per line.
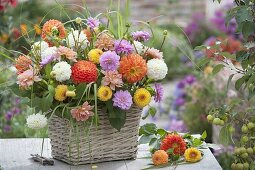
(117,117)
(204,135)
(145,139)
(161,132)
(148,129)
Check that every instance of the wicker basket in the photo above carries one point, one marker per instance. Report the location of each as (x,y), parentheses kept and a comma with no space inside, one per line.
(100,144)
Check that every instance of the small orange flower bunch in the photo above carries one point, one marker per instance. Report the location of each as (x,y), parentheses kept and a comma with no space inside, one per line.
(168,148)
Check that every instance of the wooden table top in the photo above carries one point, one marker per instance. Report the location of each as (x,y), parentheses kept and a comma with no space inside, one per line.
(15,155)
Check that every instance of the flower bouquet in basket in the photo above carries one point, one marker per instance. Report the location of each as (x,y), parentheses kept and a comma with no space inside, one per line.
(91,82)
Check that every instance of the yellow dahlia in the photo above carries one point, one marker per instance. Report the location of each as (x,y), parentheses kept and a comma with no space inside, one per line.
(60,93)
(160,157)
(192,155)
(142,97)
(104,93)
(94,55)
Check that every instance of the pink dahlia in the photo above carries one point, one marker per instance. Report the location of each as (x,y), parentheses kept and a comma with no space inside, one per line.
(154,53)
(141,35)
(112,79)
(27,78)
(68,53)
(83,112)
(122,99)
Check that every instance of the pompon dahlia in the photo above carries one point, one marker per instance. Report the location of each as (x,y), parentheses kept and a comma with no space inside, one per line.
(22,63)
(84,72)
(160,157)
(94,55)
(53,28)
(175,142)
(133,68)
(157,69)
(104,93)
(142,97)
(61,71)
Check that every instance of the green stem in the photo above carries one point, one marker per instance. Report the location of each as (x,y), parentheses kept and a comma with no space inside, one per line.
(42,146)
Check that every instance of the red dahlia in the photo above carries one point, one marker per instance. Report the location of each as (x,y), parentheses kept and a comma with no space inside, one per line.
(174,141)
(84,72)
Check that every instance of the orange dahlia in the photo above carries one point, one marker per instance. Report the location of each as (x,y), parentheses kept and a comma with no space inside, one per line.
(160,157)
(53,28)
(84,72)
(175,142)
(133,68)
(22,63)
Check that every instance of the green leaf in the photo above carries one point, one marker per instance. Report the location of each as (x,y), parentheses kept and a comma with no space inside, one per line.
(217,68)
(242,55)
(251,80)
(240,82)
(148,129)
(197,142)
(244,14)
(229,80)
(225,135)
(48,70)
(203,61)
(79,90)
(170,151)
(161,132)
(152,111)
(228,55)
(16,90)
(201,47)
(154,143)
(145,139)
(204,135)
(247,28)
(117,117)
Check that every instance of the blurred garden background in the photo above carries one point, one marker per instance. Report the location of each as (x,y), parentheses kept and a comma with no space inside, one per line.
(191,88)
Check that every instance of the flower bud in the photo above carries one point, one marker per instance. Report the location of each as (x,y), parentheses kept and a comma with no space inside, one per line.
(165,32)
(70,93)
(78,20)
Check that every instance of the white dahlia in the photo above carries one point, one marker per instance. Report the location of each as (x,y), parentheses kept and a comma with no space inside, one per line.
(38,47)
(140,47)
(157,69)
(77,39)
(62,71)
(36,121)
(50,52)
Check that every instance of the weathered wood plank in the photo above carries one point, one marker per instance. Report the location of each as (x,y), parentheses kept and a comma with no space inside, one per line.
(15,154)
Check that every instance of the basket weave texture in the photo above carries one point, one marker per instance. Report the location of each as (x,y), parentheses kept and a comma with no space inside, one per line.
(77,146)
